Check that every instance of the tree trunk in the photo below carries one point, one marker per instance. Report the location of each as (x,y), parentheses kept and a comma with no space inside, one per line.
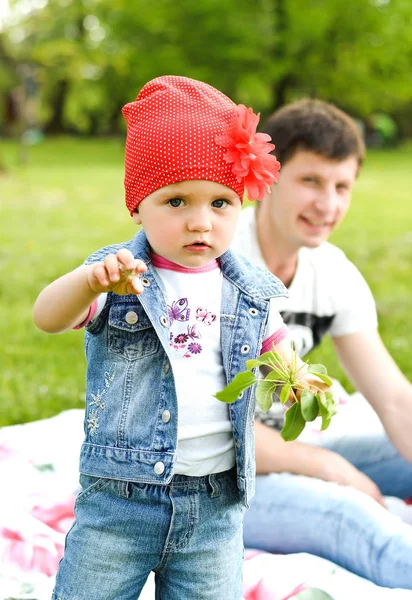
(282,85)
(280,90)
(114,120)
(56,123)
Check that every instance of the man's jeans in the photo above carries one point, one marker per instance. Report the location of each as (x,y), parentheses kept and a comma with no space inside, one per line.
(189,533)
(293,513)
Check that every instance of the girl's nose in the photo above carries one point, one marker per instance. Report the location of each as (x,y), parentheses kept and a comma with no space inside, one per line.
(199,220)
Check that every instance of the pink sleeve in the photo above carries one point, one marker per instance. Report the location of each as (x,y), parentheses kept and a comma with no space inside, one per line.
(90,315)
(274,339)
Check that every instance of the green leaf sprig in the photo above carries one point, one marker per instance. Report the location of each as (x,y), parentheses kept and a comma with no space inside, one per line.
(283,381)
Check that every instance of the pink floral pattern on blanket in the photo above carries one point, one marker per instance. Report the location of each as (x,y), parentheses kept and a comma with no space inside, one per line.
(37,545)
(32,535)
(39,462)
(257,587)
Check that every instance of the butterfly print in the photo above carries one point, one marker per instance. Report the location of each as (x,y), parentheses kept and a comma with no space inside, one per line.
(179,310)
(193,332)
(205,316)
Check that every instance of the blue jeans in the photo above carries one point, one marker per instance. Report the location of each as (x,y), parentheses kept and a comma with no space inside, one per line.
(188,532)
(294,513)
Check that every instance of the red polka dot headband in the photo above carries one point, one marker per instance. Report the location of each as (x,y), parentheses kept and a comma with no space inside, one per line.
(180,129)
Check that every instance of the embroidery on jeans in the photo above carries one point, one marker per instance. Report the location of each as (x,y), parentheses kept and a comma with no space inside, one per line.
(93,422)
(98,398)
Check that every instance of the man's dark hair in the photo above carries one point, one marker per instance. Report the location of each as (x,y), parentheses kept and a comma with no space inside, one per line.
(315,126)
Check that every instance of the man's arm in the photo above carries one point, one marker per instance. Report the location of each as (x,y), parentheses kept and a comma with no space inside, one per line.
(274,455)
(374,373)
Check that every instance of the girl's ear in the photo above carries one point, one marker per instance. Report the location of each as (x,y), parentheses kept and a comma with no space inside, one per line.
(136,217)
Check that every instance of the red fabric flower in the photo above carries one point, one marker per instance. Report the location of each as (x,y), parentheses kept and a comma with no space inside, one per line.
(250,154)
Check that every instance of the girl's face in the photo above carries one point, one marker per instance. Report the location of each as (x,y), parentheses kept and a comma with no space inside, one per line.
(191,222)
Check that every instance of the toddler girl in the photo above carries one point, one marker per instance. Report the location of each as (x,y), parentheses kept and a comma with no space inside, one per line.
(171,317)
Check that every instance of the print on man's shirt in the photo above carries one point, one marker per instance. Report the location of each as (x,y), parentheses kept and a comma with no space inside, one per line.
(306,329)
(187,340)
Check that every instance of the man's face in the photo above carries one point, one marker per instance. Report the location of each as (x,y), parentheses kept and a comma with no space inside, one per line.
(311,198)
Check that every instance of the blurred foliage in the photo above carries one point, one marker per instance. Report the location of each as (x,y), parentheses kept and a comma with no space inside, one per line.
(89,57)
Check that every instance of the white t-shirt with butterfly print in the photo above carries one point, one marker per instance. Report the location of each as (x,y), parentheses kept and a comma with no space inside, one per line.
(205,440)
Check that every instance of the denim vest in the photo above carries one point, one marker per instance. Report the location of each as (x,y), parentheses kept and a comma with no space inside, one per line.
(131,404)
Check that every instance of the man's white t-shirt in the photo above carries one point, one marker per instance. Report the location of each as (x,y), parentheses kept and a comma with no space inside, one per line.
(328,296)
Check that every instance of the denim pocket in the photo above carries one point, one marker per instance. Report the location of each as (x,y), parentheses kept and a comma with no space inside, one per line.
(130,332)
(90,485)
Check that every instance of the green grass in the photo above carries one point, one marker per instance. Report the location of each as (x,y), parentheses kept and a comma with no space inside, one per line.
(68,201)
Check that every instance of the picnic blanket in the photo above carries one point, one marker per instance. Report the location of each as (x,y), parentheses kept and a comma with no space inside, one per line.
(39,472)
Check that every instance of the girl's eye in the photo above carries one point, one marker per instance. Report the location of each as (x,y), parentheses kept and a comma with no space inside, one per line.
(220,203)
(175,202)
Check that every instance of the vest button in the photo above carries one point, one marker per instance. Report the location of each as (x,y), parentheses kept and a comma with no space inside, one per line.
(245,349)
(166,416)
(159,468)
(164,321)
(145,281)
(131,317)
(253,312)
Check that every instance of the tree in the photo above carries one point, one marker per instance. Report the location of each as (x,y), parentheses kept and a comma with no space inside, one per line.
(356,54)
(94,56)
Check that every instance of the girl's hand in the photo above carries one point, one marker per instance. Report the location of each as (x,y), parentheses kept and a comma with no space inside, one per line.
(118,273)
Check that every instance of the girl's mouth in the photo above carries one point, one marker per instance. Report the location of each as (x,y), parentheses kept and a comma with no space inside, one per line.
(197,247)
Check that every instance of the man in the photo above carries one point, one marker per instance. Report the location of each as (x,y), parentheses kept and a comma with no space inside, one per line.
(300,507)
